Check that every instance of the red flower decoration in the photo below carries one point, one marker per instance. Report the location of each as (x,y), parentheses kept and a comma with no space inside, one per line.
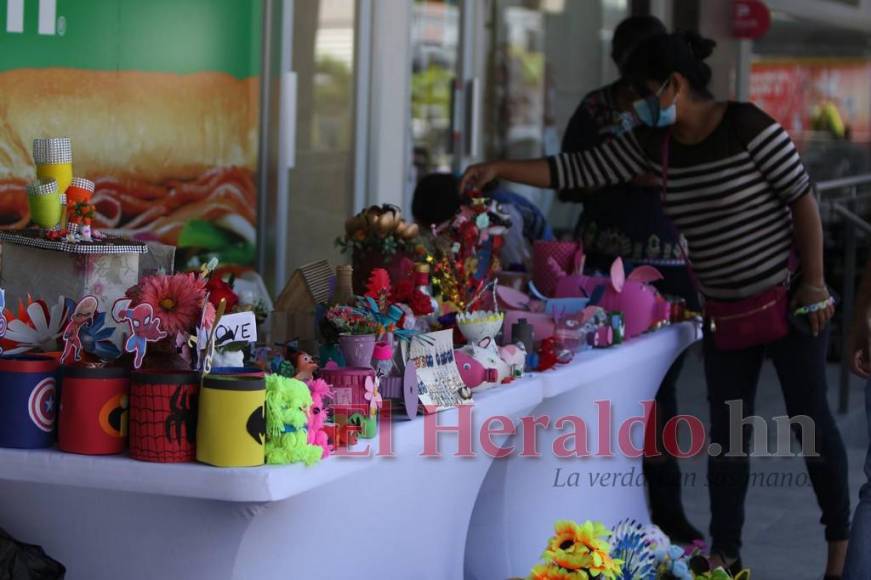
(218,289)
(420,304)
(402,292)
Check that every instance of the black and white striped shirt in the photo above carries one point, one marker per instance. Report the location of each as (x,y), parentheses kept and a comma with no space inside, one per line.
(728,195)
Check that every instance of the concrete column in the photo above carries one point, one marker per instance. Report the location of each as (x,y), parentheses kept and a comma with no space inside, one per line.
(389,102)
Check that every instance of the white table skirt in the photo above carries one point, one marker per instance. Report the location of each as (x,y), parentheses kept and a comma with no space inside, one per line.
(399,517)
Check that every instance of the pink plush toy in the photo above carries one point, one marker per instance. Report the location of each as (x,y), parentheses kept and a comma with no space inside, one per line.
(639,302)
(317,435)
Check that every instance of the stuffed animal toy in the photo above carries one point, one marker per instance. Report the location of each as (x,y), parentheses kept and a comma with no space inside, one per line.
(320,392)
(288,402)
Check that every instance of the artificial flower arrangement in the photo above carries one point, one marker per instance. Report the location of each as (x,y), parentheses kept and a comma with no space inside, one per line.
(577,551)
(630,551)
(379,228)
(465,257)
(344,319)
(379,237)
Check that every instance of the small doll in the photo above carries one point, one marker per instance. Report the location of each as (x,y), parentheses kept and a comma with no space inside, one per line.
(305,365)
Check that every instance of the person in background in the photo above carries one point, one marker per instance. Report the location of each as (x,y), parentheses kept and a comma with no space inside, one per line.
(858,565)
(626,221)
(735,186)
(437,199)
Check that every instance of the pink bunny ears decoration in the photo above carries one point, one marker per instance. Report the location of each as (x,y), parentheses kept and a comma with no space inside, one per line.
(642,274)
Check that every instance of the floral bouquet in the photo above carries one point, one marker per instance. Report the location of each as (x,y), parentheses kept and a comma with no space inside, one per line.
(343,319)
(379,237)
(577,551)
(466,252)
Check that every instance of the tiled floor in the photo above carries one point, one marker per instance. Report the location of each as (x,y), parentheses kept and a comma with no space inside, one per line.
(782,535)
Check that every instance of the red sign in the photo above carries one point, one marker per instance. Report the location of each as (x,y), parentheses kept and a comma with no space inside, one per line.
(750,18)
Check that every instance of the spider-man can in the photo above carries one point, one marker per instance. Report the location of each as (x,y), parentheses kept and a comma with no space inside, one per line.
(28,401)
(231,426)
(163,416)
(93,410)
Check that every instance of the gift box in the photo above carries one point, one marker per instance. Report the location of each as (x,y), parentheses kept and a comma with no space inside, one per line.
(103,269)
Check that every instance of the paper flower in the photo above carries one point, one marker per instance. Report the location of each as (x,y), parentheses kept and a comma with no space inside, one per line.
(220,290)
(37,327)
(630,544)
(177,300)
(96,339)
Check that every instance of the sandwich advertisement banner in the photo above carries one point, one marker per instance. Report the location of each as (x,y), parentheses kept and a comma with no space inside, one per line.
(160,99)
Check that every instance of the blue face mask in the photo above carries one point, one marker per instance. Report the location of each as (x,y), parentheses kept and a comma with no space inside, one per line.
(652,114)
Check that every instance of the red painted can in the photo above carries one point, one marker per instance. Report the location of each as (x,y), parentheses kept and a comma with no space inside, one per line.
(93,410)
(163,415)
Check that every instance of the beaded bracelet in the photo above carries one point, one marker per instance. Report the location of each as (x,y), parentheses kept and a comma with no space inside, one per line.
(815,307)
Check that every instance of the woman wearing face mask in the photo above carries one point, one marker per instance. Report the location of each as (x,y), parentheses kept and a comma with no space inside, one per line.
(735,187)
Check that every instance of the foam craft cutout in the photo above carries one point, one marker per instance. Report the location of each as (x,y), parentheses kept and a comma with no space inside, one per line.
(633,296)
(373,396)
(83,314)
(144,327)
(238,327)
(472,371)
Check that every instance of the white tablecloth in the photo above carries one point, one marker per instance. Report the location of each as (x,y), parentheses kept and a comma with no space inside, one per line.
(399,517)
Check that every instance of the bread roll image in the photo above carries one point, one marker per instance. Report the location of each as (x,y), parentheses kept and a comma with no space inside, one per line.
(162,148)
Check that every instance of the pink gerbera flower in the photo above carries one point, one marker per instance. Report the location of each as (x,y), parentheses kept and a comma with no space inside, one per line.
(177,300)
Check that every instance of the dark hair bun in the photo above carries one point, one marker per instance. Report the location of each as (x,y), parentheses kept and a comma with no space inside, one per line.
(699,46)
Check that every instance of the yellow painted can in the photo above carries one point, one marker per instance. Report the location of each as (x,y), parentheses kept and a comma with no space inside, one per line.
(231,428)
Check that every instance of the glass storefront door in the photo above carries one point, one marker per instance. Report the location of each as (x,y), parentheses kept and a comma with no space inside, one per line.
(435,47)
(321,181)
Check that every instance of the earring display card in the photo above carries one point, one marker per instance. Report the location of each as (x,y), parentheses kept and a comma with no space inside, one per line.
(438,378)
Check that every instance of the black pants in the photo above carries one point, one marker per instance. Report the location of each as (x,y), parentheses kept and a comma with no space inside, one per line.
(800,362)
(662,473)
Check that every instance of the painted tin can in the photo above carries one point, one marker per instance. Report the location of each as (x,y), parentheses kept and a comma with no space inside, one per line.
(231,426)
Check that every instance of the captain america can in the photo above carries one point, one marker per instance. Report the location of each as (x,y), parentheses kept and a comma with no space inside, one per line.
(28,401)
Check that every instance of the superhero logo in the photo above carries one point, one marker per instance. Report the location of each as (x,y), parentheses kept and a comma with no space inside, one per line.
(113,416)
(256,426)
(41,405)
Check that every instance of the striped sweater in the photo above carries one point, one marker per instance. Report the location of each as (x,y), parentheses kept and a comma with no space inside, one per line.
(728,195)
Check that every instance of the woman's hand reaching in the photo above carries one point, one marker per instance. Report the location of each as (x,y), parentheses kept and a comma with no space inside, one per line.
(478,176)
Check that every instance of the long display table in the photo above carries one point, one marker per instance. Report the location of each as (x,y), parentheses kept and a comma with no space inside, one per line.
(402,516)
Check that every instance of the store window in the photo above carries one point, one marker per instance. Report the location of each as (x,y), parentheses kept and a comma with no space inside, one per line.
(321,184)
(545,55)
(816,81)
(435,45)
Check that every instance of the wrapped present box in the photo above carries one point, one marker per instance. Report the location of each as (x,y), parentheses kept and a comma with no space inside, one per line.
(43,268)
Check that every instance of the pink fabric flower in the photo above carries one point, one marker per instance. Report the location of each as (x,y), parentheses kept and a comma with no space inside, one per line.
(177,300)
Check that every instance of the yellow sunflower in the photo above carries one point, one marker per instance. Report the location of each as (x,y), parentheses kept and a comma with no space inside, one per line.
(554,572)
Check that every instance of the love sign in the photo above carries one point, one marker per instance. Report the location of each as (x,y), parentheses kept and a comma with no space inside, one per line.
(238,327)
